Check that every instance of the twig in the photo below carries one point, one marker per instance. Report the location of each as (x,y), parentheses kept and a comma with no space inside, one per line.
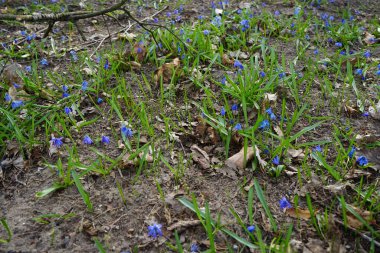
(68,16)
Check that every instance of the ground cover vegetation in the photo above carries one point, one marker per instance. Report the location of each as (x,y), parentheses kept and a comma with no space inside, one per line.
(190,126)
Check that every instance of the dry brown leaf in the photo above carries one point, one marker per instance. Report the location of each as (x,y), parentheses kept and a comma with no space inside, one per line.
(298,213)
(262,163)
(294,153)
(278,131)
(369,38)
(237,160)
(183,224)
(226,60)
(351,111)
(355,223)
(11,74)
(270,97)
(166,71)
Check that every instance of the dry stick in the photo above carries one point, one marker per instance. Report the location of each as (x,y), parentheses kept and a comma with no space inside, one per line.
(68,16)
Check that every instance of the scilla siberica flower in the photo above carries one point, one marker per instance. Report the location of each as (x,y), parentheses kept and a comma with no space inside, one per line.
(155,230)
(126,132)
(105,139)
(251,228)
(362,161)
(245,25)
(223,111)
(194,248)
(262,74)
(234,107)
(56,142)
(317,149)
(238,127)
(67,110)
(217,21)
(44,62)
(237,64)
(276,160)
(7,98)
(84,85)
(352,152)
(284,204)
(16,104)
(206,32)
(264,125)
(87,140)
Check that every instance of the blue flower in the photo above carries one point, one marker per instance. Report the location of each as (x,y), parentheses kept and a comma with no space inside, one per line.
(378,72)
(28,69)
(251,228)
(155,230)
(245,25)
(65,88)
(84,85)
(44,62)
(87,140)
(126,132)
(7,98)
(352,152)
(217,21)
(74,55)
(317,148)
(316,51)
(277,13)
(234,107)
(67,110)
(362,161)
(359,72)
(284,204)
(23,33)
(262,74)
(224,79)
(65,95)
(264,125)
(194,248)
(206,32)
(16,104)
(237,64)
(57,142)
(281,75)
(223,111)
(107,64)
(365,114)
(297,11)
(367,54)
(99,100)
(105,139)
(238,127)
(276,160)
(338,44)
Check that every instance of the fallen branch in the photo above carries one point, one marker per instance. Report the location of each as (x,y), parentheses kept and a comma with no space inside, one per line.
(52,18)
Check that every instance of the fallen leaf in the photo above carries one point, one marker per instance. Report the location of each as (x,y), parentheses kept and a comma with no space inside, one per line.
(226,60)
(369,38)
(244,5)
(270,97)
(294,153)
(338,188)
(237,160)
(351,111)
(166,71)
(180,225)
(11,74)
(278,131)
(262,163)
(374,111)
(355,223)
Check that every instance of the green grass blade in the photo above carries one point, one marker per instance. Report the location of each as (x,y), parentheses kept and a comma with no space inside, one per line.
(4,223)
(260,195)
(83,193)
